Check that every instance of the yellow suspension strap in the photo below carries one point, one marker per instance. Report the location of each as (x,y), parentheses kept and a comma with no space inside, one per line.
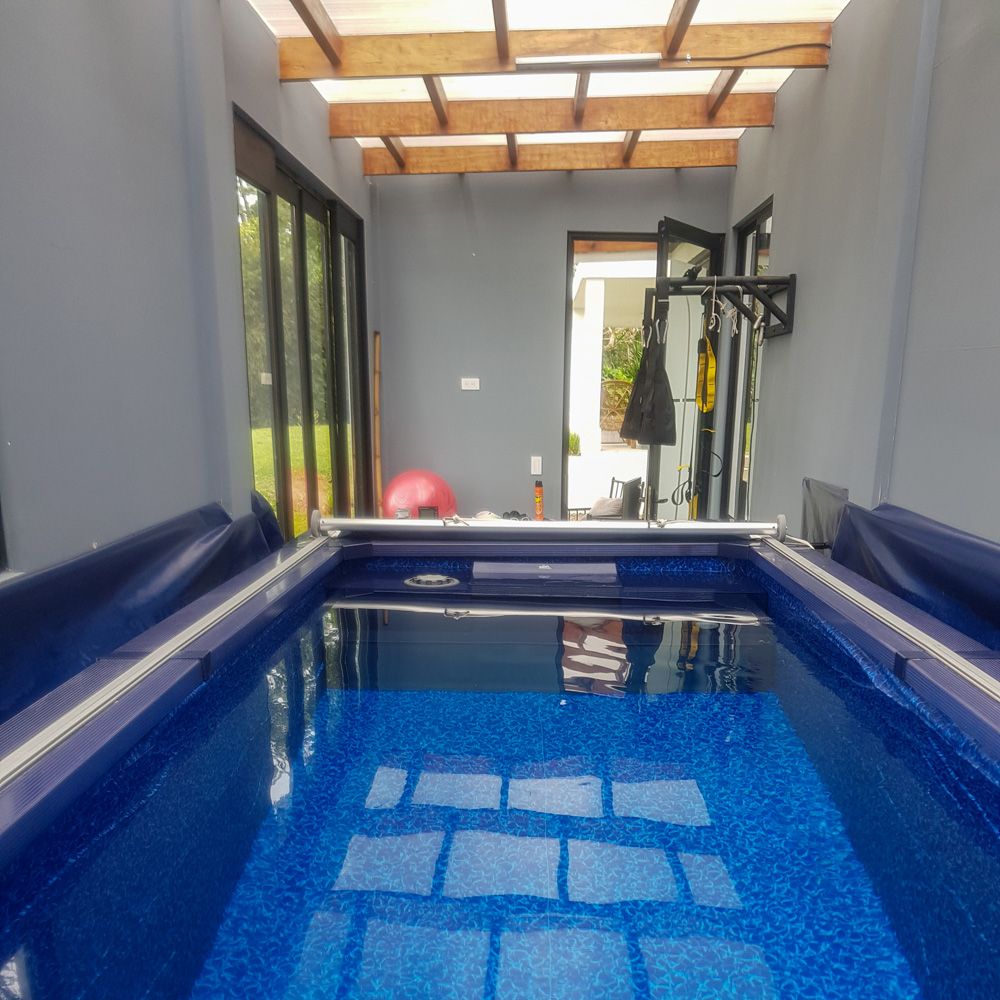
(705,385)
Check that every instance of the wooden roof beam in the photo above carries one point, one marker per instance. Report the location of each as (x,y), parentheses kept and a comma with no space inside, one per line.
(395,149)
(501,30)
(512,148)
(678,22)
(580,97)
(721,90)
(604,114)
(710,46)
(552,156)
(439,99)
(628,147)
(317,20)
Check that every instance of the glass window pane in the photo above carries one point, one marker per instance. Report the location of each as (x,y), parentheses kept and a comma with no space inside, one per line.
(251,207)
(319,359)
(293,364)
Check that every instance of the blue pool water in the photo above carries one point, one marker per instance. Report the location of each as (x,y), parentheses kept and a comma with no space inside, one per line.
(686,792)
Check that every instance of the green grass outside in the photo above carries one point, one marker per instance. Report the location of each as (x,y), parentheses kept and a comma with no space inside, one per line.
(263,470)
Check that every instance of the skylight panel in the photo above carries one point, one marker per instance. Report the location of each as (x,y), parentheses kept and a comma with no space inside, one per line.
(657,83)
(509,86)
(544,138)
(749,11)
(411,141)
(690,134)
(351,91)
(757,81)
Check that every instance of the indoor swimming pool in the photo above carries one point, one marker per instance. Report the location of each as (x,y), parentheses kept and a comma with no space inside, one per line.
(641,778)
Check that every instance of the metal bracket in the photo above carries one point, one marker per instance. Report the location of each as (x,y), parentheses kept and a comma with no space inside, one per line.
(766,290)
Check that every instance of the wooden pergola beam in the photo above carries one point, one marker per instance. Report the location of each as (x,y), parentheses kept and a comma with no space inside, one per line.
(628,147)
(322,29)
(721,90)
(710,46)
(395,149)
(439,101)
(512,148)
(580,97)
(501,31)
(678,22)
(553,156)
(604,114)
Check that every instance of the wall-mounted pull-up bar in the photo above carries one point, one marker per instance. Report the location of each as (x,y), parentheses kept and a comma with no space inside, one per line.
(777,317)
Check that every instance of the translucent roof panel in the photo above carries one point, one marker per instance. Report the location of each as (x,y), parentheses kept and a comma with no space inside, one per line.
(679,134)
(523,14)
(383,17)
(756,81)
(538,138)
(351,91)
(455,140)
(509,85)
(658,83)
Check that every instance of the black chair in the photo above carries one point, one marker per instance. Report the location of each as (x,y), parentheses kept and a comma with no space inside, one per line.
(630,493)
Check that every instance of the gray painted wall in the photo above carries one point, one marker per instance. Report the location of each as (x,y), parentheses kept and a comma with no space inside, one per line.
(120,307)
(839,164)
(122,364)
(947,451)
(472,277)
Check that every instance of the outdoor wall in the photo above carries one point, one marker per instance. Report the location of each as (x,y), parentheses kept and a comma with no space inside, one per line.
(843,163)
(947,460)
(472,279)
(120,321)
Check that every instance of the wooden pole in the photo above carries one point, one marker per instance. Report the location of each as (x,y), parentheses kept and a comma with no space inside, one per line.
(377,414)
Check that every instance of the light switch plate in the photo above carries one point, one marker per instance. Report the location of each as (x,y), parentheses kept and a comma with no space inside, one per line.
(469,383)
(536,465)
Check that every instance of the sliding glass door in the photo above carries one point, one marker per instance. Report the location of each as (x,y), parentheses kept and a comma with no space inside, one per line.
(303,295)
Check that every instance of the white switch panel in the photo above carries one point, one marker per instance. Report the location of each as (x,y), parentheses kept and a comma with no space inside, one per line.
(470,383)
(536,465)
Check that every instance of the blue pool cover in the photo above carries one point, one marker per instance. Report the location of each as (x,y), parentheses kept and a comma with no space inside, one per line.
(445,844)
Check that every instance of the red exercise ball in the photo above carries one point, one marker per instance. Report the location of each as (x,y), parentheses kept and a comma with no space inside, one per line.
(417,488)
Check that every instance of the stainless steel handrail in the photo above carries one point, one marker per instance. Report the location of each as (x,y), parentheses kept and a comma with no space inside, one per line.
(652,616)
(963,667)
(459,526)
(59,730)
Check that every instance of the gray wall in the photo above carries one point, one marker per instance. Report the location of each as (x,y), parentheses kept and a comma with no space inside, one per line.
(123,394)
(119,306)
(840,164)
(472,277)
(947,451)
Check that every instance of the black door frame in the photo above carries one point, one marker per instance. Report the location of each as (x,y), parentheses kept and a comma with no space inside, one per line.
(572,237)
(715,243)
(264,164)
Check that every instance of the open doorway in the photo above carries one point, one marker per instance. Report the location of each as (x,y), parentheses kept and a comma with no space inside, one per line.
(609,274)
(611,287)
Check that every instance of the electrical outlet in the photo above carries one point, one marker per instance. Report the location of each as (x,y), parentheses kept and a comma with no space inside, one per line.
(536,465)
(469,383)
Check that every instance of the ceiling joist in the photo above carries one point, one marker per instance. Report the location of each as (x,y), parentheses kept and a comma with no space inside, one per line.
(395,149)
(706,46)
(629,145)
(501,31)
(317,20)
(580,97)
(678,23)
(552,156)
(439,101)
(603,114)
(721,90)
